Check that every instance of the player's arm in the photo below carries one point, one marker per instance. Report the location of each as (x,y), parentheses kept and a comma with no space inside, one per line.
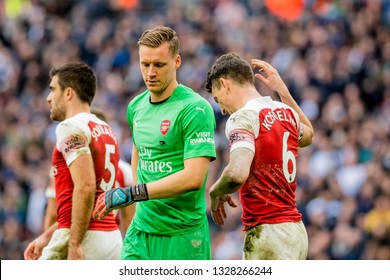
(275,83)
(34,249)
(235,173)
(50,213)
(51,208)
(306,132)
(232,178)
(84,180)
(191,178)
(134,163)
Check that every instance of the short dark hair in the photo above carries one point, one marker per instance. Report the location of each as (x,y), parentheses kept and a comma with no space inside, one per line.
(80,77)
(156,36)
(230,66)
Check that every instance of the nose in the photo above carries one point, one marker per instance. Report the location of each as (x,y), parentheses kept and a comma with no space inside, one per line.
(48,98)
(151,71)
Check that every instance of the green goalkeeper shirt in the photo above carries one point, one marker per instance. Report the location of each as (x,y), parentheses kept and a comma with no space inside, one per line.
(165,135)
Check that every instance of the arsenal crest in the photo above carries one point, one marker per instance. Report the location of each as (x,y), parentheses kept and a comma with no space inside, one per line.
(164,127)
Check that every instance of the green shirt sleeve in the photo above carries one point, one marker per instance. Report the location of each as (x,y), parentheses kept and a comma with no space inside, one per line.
(198,130)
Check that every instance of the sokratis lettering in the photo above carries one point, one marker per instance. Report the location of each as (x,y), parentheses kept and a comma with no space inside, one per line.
(277,115)
(102,130)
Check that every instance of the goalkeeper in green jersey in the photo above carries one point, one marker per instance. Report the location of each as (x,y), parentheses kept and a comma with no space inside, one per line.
(173,134)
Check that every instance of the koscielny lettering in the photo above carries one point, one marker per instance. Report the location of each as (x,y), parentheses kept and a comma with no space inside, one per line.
(99,130)
(277,115)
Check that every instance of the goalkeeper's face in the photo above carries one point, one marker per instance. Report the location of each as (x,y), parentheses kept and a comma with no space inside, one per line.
(158,67)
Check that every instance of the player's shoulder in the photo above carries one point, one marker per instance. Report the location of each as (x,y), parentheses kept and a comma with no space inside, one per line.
(192,99)
(250,110)
(246,117)
(185,92)
(281,105)
(268,102)
(77,124)
(73,123)
(140,97)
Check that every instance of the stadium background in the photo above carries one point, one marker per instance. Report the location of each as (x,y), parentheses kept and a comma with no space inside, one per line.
(334,56)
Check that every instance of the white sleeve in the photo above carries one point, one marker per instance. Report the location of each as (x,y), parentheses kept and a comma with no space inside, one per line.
(242,128)
(73,140)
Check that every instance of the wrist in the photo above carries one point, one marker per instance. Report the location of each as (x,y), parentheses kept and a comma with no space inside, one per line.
(139,192)
(283,91)
(73,243)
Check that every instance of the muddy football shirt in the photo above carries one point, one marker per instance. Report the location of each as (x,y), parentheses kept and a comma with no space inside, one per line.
(270,129)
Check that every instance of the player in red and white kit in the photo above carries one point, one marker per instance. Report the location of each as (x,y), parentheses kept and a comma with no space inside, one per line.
(264,137)
(85,164)
(124,178)
(123,216)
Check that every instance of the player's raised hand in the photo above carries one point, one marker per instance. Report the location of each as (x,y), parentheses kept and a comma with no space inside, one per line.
(271,78)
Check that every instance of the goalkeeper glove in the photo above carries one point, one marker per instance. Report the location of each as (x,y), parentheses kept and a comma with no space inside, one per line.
(118,198)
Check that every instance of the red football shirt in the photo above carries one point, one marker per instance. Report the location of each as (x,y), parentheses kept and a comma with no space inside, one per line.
(270,129)
(102,145)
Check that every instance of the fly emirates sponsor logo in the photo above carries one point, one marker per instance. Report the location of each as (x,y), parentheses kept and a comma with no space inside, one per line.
(277,115)
(202,137)
(155,166)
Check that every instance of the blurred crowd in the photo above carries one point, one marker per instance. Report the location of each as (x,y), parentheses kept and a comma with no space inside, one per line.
(335,58)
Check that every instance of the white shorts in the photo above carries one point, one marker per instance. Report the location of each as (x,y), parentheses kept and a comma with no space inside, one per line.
(97,245)
(285,241)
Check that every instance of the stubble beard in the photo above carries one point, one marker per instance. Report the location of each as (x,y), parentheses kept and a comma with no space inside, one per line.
(57,115)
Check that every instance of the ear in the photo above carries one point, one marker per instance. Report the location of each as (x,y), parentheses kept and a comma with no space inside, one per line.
(225,83)
(69,93)
(178,61)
